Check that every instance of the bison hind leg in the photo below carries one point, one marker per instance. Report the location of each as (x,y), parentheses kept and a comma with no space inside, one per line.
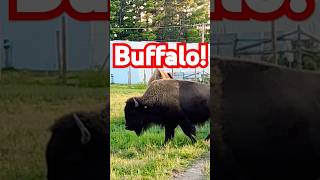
(188,129)
(208,137)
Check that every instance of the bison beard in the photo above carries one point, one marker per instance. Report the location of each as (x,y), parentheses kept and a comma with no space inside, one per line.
(266,122)
(169,103)
(78,147)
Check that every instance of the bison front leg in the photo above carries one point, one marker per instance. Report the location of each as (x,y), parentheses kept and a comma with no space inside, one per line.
(169,134)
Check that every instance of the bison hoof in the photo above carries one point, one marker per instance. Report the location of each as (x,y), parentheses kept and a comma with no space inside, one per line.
(208,138)
(193,140)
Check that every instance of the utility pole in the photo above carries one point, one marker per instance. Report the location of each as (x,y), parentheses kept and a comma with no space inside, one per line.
(274,39)
(202,40)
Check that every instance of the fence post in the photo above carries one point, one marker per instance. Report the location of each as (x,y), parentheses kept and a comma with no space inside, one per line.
(112,79)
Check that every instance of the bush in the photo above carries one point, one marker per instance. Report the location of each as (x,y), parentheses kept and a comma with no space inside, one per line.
(310,64)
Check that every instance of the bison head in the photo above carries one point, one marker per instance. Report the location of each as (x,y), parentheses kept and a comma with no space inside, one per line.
(136,115)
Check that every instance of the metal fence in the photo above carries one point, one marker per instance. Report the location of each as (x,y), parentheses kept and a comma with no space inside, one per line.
(201,76)
(197,76)
(292,49)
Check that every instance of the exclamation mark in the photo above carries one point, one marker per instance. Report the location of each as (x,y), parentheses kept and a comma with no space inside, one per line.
(203,55)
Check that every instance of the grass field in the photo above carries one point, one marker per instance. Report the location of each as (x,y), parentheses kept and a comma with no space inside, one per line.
(29,104)
(31,101)
(146,157)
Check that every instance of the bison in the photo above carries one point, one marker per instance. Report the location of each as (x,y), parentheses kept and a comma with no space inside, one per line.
(78,147)
(266,121)
(169,103)
(157,74)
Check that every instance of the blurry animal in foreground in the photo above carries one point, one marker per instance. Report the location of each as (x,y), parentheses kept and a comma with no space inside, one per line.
(169,103)
(266,122)
(78,147)
(159,74)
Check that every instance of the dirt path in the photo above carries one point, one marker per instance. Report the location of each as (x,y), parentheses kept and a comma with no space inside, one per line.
(195,172)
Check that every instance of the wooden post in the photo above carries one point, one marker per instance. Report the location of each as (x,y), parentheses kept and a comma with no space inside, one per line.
(203,32)
(92,29)
(112,79)
(59,59)
(274,40)
(203,76)
(202,40)
(129,77)
(144,76)
(299,52)
(1,52)
(195,74)
(105,65)
(64,50)
(235,44)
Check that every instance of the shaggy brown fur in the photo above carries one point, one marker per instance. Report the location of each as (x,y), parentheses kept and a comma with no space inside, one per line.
(265,121)
(69,157)
(169,103)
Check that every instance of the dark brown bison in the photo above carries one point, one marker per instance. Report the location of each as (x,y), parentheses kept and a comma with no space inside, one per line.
(266,122)
(159,74)
(78,147)
(169,103)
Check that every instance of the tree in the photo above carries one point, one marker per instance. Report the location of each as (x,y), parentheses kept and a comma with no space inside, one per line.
(164,20)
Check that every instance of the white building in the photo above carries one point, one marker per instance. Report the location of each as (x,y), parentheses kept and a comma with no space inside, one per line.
(259,29)
(33,44)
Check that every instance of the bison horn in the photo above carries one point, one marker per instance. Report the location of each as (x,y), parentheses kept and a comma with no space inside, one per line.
(136,104)
(85,134)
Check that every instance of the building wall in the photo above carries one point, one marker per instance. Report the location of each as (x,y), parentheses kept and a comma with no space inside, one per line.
(34,43)
(226,31)
(310,25)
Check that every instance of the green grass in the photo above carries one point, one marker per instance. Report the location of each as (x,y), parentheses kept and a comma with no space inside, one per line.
(206,170)
(30,102)
(91,79)
(146,157)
